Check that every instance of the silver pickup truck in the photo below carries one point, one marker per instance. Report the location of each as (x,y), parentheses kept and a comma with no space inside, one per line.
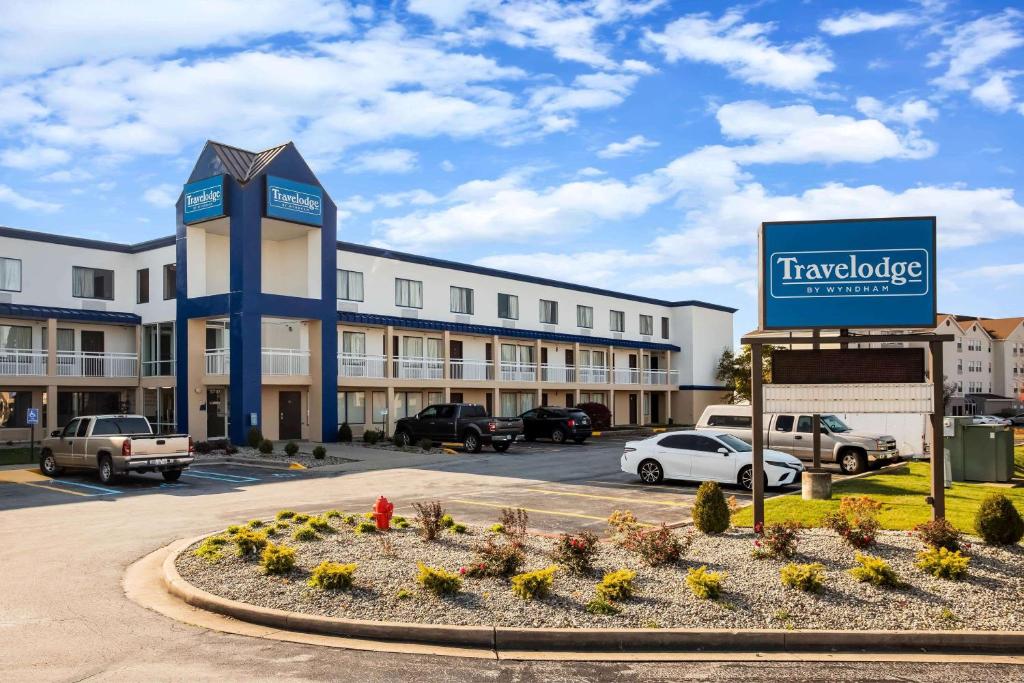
(114,445)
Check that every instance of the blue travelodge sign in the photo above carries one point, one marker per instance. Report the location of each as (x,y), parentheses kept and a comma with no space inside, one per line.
(866,273)
(204,200)
(292,201)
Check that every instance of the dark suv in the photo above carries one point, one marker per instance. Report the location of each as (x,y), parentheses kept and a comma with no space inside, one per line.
(557,424)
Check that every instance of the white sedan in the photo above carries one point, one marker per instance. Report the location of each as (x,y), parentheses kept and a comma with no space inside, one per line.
(705,455)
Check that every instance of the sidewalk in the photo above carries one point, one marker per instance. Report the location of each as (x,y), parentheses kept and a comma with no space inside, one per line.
(364,459)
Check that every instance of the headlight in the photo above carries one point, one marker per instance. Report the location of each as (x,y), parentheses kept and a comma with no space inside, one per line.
(786,465)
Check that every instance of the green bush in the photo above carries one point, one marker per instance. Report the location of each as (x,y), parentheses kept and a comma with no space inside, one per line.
(602,606)
(704,584)
(332,514)
(277,559)
(939,533)
(447,521)
(320,524)
(249,542)
(437,580)
(284,514)
(371,436)
(300,518)
(306,533)
(266,447)
(616,585)
(402,524)
(291,448)
(211,548)
(998,521)
(254,437)
(369,515)
(943,563)
(319,452)
(710,511)
(254,523)
(333,576)
(349,519)
(809,578)
(458,528)
(403,594)
(535,584)
(344,433)
(233,529)
(365,527)
(497,528)
(576,552)
(876,571)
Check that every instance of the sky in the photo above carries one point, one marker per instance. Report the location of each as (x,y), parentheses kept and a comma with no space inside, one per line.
(635,146)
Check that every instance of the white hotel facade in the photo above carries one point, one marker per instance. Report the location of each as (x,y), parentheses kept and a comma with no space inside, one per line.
(253,314)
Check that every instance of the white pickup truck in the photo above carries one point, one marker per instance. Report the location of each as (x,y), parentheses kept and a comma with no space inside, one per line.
(114,445)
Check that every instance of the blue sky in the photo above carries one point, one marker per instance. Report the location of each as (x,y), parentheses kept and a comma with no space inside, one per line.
(629,145)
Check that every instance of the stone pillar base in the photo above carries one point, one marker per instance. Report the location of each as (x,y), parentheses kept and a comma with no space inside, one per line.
(817,485)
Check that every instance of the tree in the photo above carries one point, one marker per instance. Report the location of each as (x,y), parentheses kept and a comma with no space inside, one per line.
(734,370)
(949,390)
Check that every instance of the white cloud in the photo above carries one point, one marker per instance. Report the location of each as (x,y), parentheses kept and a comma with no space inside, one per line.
(996,93)
(859,21)
(354,204)
(414,197)
(447,166)
(9,195)
(909,112)
(383,161)
(635,143)
(995,272)
(163,196)
(744,50)
(67,176)
(974,45)
(584,267)
(33,157)
(590,172)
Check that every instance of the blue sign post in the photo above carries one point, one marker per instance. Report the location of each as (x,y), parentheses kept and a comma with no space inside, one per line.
(293,201)
(204,200)
(32,419)
(860,273)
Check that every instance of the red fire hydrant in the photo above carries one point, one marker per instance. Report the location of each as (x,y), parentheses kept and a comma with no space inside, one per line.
(382,510)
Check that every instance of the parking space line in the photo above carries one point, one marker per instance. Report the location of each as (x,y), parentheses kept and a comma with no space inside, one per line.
(670,503)
(47,487)
(102,489)
(219,476)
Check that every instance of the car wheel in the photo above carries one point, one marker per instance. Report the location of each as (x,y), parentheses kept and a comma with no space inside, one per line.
(501,447)
(471,442)
(579,440)
(48,464)
(650,472)
(558,436)
(171,476)
(852,462)
(106,469)
(402,439)
(746,479)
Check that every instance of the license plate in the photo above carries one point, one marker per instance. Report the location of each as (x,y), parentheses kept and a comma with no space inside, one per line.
(501,437)
(160,461)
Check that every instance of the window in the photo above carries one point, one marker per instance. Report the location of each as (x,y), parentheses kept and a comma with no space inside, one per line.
(351,407)
(549,312)
(10,275)
(646,324)
(92,283)
(15,337)
(380,406)
(617,321)
(703,443)
(508,306)
(680,441)
(585,316)
(170,281)
(353,343)
(462,300)
(350,285)
(407,403)
(408,293)
(142,286)
(738,421)
(438,397)
(804,425)
(784,423)
(664,328)
(157,349)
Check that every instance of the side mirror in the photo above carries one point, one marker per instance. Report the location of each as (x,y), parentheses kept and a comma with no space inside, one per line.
(724,451)
(55,433)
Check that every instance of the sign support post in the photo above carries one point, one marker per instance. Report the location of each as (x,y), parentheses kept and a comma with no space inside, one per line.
(757,423)
(32,418)
(938,448)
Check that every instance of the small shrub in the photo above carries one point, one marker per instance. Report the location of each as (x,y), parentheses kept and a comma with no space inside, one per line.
(254,523)
(658,547)
(403,594)
(266,447)
(349,519)
(254,437)
(276,528)
(876,571)
(425,444)
(497,528)
(369,515)
(576,552)
(856,521)
(602,606)
(319,452)
(438,581)
(249,542)
(291,448)
(458,528)
(333,576)
(535,584)
(809,578)
(320,524)
(514,522)
(211,549)
(710,511)
(428,516)
(998,521)
(284,514)
(396,519)
(371,436)
(300,518)
(777,541)
(494,558)
(599,414)
(447,521)
(616,585)
(306,533)
(345,433)
(277,559)
(202,447)
(704,584)
(365,527)
(402,524)
(332,514)
(233,529)
(943,563)
(939,533)
(621,526)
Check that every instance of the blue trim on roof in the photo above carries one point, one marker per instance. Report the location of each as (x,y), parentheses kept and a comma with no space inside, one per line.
(76,314)
(466,328)
(494,272)
(18,233)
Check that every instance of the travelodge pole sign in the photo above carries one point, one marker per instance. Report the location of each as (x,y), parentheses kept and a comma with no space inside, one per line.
(858,273)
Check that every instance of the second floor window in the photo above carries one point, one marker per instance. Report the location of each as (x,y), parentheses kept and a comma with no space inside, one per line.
(15,338)
(462,300)
(350,285)
(170,281)
(617,321)
(142,286)
(549,312)
(664,328)
(10,275)
(408,293)
(92,283)
(646,324)
(585,316)
(508,306)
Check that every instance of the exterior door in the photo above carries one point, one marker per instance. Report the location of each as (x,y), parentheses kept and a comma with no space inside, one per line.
(655,408)
(803,439)
(454,357)
(64,452)
(215,412)
(633,377)
(290,406)
(632,408)
(92,343)
(782,433)
(675,456)
(570,399)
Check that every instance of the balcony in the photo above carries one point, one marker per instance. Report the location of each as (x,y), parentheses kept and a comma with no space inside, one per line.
(471,370)
(97,364)
(218,361)
(418,367)
(557,374)
(592,374)
(359,365)
(285,362)
(158,368)
(17,363)
(518,372)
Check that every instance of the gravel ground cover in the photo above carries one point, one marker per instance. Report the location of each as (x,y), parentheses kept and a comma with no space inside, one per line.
(989,598)
(305,459)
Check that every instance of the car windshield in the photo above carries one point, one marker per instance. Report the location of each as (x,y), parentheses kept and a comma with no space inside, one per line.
(834,424)
(735,443)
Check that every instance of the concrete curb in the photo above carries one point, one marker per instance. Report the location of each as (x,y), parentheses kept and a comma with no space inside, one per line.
(564,640)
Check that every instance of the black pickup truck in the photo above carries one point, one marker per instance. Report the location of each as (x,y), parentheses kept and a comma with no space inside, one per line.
(465,422)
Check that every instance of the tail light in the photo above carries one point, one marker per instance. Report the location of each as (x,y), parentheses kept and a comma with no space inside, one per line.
(571,423)
(191,446)
(492,426)
(126,447)
(628,449)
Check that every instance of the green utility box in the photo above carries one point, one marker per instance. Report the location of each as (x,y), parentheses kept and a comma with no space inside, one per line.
(978,452)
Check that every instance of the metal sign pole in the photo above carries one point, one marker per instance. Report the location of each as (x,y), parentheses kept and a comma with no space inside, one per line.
(816,420)
(938,446)
(757,423)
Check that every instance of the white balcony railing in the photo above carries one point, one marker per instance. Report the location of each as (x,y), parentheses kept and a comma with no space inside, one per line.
(158,368)
(625,376)
(285,362)
(360,365)
(418,367)
(558,374)
(18,363)
(97,364)
(472,370)
(595,374)
(659,377)
(518,372)
(218,361)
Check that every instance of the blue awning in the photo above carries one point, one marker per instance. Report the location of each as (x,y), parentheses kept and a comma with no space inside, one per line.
(75,314)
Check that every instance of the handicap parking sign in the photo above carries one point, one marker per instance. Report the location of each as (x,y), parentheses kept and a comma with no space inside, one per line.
(33,416)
